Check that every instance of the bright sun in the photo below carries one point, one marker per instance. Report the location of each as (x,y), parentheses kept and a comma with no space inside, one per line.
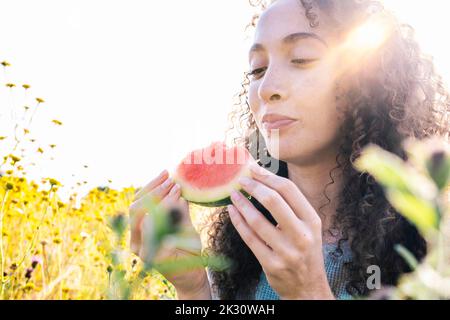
(369,36)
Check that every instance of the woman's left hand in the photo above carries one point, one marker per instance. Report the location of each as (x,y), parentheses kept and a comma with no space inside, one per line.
(291,253)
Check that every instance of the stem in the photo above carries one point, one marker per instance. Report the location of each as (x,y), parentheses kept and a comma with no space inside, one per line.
(45,274)
(35,235)
(1,243)
(32,116)
(15,135)
(441,254)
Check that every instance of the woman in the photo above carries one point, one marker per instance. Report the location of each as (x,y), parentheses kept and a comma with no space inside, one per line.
(319,90)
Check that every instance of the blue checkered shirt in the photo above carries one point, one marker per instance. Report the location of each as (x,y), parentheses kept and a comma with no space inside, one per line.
(335,269)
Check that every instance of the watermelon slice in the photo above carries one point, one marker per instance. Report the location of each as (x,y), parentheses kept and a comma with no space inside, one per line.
(208,176)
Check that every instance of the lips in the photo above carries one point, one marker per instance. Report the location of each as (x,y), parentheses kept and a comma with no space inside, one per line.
(276,121)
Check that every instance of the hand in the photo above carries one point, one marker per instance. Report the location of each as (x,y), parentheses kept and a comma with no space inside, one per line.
(291,253)
(167,194)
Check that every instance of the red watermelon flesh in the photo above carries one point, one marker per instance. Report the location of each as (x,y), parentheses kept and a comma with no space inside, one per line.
(207,176)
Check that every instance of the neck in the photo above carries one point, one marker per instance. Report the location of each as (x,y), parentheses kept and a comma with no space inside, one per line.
(312,180)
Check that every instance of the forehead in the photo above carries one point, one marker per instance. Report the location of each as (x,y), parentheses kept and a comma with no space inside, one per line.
(285,17)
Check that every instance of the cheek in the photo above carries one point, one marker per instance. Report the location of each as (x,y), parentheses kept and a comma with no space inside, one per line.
(322,104)
(317,97)
(317,109)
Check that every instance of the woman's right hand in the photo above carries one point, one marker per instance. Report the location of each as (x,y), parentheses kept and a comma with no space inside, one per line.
(189,284)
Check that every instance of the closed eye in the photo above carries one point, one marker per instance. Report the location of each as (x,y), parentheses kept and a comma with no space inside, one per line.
(258,71)
(304,61)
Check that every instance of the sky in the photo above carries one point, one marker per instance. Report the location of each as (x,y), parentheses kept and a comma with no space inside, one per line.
(137,84)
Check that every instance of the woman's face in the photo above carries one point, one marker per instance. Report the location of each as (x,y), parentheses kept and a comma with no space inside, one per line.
(295,81)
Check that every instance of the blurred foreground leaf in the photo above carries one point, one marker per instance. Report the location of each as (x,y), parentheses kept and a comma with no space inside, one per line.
(187,264)
(421,213)
(407,256)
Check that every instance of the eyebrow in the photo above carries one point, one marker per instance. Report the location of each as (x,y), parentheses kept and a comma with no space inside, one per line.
(289,39)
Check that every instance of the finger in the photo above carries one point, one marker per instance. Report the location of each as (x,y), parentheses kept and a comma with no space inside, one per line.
(261,251)
(137,213)
(273,202)
(140,208)
(173,201)
(288,190)
(172,196)
(152,184)
(266,231)
(136,236)
(148,249)
(141,205)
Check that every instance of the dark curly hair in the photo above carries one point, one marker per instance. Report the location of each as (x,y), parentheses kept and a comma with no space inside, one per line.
(395,94)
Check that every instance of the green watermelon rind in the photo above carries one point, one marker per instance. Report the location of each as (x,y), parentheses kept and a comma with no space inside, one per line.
(220,203)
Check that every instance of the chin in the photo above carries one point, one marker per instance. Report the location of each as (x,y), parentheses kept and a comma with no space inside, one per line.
(284,149)
(292,151)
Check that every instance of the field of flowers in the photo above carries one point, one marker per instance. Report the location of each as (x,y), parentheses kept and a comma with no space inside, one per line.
(55,249)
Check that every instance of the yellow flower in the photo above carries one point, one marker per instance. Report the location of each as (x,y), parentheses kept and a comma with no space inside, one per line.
(40,150)
(29,286)
(26,86)
(14,158)
(2,138)
(40,100)
(65,290)
(57,122)
(5,64)
(54,182)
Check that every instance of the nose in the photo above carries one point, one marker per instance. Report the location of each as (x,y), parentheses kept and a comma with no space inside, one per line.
(272,87)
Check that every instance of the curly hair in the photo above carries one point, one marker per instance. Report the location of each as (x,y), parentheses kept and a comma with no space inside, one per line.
(405,97)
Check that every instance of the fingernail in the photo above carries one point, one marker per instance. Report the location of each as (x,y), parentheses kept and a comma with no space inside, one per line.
(175,188)
(162,173)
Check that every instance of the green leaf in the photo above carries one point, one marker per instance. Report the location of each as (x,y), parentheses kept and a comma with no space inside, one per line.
(407,256)
(190,263)
(393,173)
(384,167)
(438,166)
(118,224)
(421,213)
